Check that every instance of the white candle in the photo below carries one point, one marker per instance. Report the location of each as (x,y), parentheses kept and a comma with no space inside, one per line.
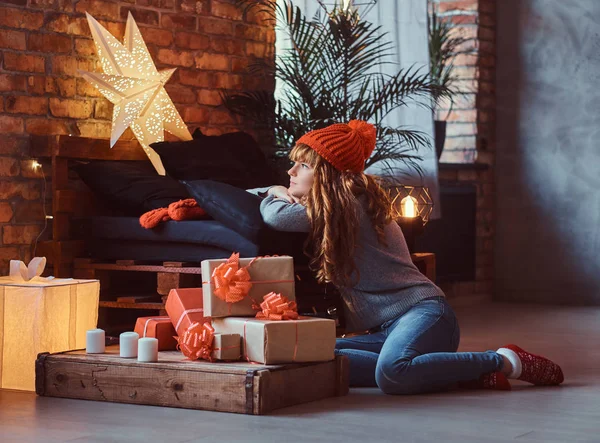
(148,349)
(128,344)
(94,341)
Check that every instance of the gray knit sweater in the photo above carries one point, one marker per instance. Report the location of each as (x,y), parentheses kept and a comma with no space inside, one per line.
(390,284)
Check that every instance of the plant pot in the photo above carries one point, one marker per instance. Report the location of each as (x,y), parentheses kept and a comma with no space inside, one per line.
(439,127)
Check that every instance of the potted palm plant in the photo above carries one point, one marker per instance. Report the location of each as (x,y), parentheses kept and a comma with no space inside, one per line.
(444,45)
(328,74)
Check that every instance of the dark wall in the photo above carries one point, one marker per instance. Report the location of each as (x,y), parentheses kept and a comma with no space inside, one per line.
(548,151)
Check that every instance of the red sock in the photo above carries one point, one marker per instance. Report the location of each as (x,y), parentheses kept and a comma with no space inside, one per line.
(186,209)
(152,218)
(493,380)
(536,369)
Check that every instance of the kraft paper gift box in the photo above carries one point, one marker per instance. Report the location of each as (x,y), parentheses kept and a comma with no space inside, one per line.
(41,315)
(160,328)
(226,347)
(308,339)
(184,307)
(267,274)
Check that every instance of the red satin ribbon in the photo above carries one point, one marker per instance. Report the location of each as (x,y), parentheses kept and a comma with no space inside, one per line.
(197,341)
(277,307)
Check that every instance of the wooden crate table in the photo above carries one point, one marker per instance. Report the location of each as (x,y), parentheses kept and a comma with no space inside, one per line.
(174,381)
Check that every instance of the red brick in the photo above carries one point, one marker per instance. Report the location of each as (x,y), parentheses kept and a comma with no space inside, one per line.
(99,8)
(9,167)
(67,65)
(181,94)
(487,34)
(221,118)
(239,64)
(103,109)
(16,2)
(487,20)
(66,24)
(87,128)
(20,235)
(8,253)
(12,83)
(212,62)
(70,108)
(178,21)
(20,18)
(228,81)
(24,62)
(226,10)
(20,104)
(196,78)
(117,29)
(466,60)
(27,212)
(46,126)
(20,189)
(49,43)
(159,37)
(6,212)
(41,84)
(86,89)
(66,86)
(191,40)
(85,47)
(11,124)
(249,32)
(162,4)
(175,58)
(463,115)
(60,5)
(463,19)
(145,16)
(10,39)
(215,26)
(209,97)
(487,6)
(195,115)
(193,6)
(13,145)
(228,46)
(256,16)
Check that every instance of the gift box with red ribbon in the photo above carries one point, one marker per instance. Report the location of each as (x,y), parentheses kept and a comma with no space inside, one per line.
(199,341)
(307,339)
(235,287)
(160,328)
(184,306)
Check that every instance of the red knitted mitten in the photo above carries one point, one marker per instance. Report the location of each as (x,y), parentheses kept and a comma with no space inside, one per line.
(186,209)
(151,219)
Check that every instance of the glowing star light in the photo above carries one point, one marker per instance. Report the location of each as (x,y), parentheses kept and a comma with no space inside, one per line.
(136,89)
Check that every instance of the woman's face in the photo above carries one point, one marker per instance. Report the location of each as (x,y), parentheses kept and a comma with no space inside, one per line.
(301,179)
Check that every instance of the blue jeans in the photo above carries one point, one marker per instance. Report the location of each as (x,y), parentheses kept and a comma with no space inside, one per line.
(415,353)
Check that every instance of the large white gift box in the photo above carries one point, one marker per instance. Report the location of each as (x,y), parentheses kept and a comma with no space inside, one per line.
(38,315)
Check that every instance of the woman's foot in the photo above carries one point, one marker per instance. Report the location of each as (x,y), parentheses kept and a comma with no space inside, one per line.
(531,368)
(493,380)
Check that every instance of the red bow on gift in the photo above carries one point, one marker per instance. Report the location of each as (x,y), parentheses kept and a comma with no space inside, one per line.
(277,307)
(232,283)
(197,341)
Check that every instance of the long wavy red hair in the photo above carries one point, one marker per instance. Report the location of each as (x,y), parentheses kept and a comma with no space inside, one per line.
(333,206)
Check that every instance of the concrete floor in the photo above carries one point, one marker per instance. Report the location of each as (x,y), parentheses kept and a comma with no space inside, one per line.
(569,413)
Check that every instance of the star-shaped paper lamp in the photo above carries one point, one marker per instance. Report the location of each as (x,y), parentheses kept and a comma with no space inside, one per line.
(136,89)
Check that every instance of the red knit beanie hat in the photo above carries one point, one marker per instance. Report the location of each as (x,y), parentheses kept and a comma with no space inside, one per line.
(345,146)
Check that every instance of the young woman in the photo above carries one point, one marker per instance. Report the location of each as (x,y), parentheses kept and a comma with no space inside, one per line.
(355,244)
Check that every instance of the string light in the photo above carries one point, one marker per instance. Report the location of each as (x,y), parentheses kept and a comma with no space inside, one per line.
(35,165)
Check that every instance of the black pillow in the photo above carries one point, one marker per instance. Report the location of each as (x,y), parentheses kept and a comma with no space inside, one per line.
(233,158)
(240,211)
(233,207)
(134,187)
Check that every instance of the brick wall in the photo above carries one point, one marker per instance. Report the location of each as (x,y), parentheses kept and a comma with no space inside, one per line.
(44,42)
(483,147)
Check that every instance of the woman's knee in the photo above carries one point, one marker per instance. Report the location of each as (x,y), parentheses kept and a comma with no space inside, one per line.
(394,377)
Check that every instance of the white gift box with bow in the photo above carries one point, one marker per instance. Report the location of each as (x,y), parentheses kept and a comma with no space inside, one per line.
(41,314)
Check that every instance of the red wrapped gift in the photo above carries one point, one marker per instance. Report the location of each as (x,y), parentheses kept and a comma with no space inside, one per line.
(160,328)
(184,307)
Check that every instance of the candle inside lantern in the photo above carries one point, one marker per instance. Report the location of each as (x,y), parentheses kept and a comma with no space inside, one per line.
(409,206)
(128,344)
(148,349)
(95,341)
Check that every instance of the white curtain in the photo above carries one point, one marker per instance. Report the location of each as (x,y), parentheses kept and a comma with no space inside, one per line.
(405,23)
